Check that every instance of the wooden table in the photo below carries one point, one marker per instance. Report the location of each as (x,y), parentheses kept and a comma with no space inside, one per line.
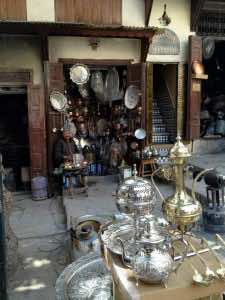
(180,285)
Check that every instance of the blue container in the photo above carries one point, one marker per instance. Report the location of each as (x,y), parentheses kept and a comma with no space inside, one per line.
(39,187)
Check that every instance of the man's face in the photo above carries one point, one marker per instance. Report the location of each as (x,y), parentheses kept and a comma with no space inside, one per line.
(67,135)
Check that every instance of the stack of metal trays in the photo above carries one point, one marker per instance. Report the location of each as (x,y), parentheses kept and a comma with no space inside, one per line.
(87,278)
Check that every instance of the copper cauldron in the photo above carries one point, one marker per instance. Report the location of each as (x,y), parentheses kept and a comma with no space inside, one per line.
(197,67)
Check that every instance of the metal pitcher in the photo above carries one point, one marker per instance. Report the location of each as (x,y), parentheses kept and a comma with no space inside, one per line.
(85,240)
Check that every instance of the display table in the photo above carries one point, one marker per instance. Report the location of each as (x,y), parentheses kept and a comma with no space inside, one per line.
(75,173)
(180,285)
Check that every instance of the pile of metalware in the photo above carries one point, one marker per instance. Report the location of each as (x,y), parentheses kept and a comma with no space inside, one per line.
(152,247)
(148,245)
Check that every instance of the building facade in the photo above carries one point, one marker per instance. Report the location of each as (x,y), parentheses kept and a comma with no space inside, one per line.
(38,39)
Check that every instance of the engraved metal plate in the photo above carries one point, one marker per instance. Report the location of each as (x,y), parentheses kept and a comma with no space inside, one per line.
(87,278)
(125,232)
(58,101)
(79,74)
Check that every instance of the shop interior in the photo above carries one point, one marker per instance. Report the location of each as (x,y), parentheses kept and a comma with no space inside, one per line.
(213,90)
(14,140)
(104,125)
(164,103)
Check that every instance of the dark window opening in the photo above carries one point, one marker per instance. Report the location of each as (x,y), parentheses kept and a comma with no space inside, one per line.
(213,94)
(14,141)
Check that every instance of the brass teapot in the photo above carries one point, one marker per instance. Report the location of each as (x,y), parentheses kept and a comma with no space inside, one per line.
(180,209)
(154,258)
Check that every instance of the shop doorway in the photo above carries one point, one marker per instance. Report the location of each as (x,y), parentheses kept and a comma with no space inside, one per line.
(102,122)
(164,103)
(14,138)
(22,99)
(213,93)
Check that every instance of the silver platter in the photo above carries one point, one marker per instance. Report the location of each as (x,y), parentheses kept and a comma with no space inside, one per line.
(124,231)
(208,47)
(140,133)
(87,278)
(58,101)
(112,84)
(79,74)
(131,98)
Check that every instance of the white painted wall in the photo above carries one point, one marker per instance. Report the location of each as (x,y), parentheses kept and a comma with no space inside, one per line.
(109,48)
(179,12)
(41,10)
(133,13)
(20,52)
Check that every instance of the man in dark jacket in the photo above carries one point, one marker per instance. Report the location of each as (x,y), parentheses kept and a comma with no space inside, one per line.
(65,148)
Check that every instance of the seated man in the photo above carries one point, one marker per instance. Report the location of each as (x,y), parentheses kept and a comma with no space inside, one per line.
(65,147)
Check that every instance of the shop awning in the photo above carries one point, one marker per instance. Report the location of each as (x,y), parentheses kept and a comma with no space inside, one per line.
(144,34)
(72,29)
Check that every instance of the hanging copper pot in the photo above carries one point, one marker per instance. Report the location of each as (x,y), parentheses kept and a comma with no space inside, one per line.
(197,68)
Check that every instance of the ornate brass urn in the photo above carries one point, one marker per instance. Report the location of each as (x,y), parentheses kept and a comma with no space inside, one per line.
(181,209)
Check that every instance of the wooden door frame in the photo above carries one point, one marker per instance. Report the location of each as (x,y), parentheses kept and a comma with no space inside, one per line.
(17,77)
(98,62)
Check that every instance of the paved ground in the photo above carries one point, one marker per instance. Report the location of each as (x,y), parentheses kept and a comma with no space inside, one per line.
(42,247)
(101,198)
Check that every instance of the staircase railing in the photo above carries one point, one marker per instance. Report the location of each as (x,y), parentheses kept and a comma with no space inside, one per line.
(165,95)
(172,98)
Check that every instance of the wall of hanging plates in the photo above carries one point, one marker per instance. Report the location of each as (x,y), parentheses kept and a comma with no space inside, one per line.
(106,112)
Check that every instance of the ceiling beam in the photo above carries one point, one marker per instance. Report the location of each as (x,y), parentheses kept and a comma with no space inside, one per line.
(196,9)
(69,29)
(148,9)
